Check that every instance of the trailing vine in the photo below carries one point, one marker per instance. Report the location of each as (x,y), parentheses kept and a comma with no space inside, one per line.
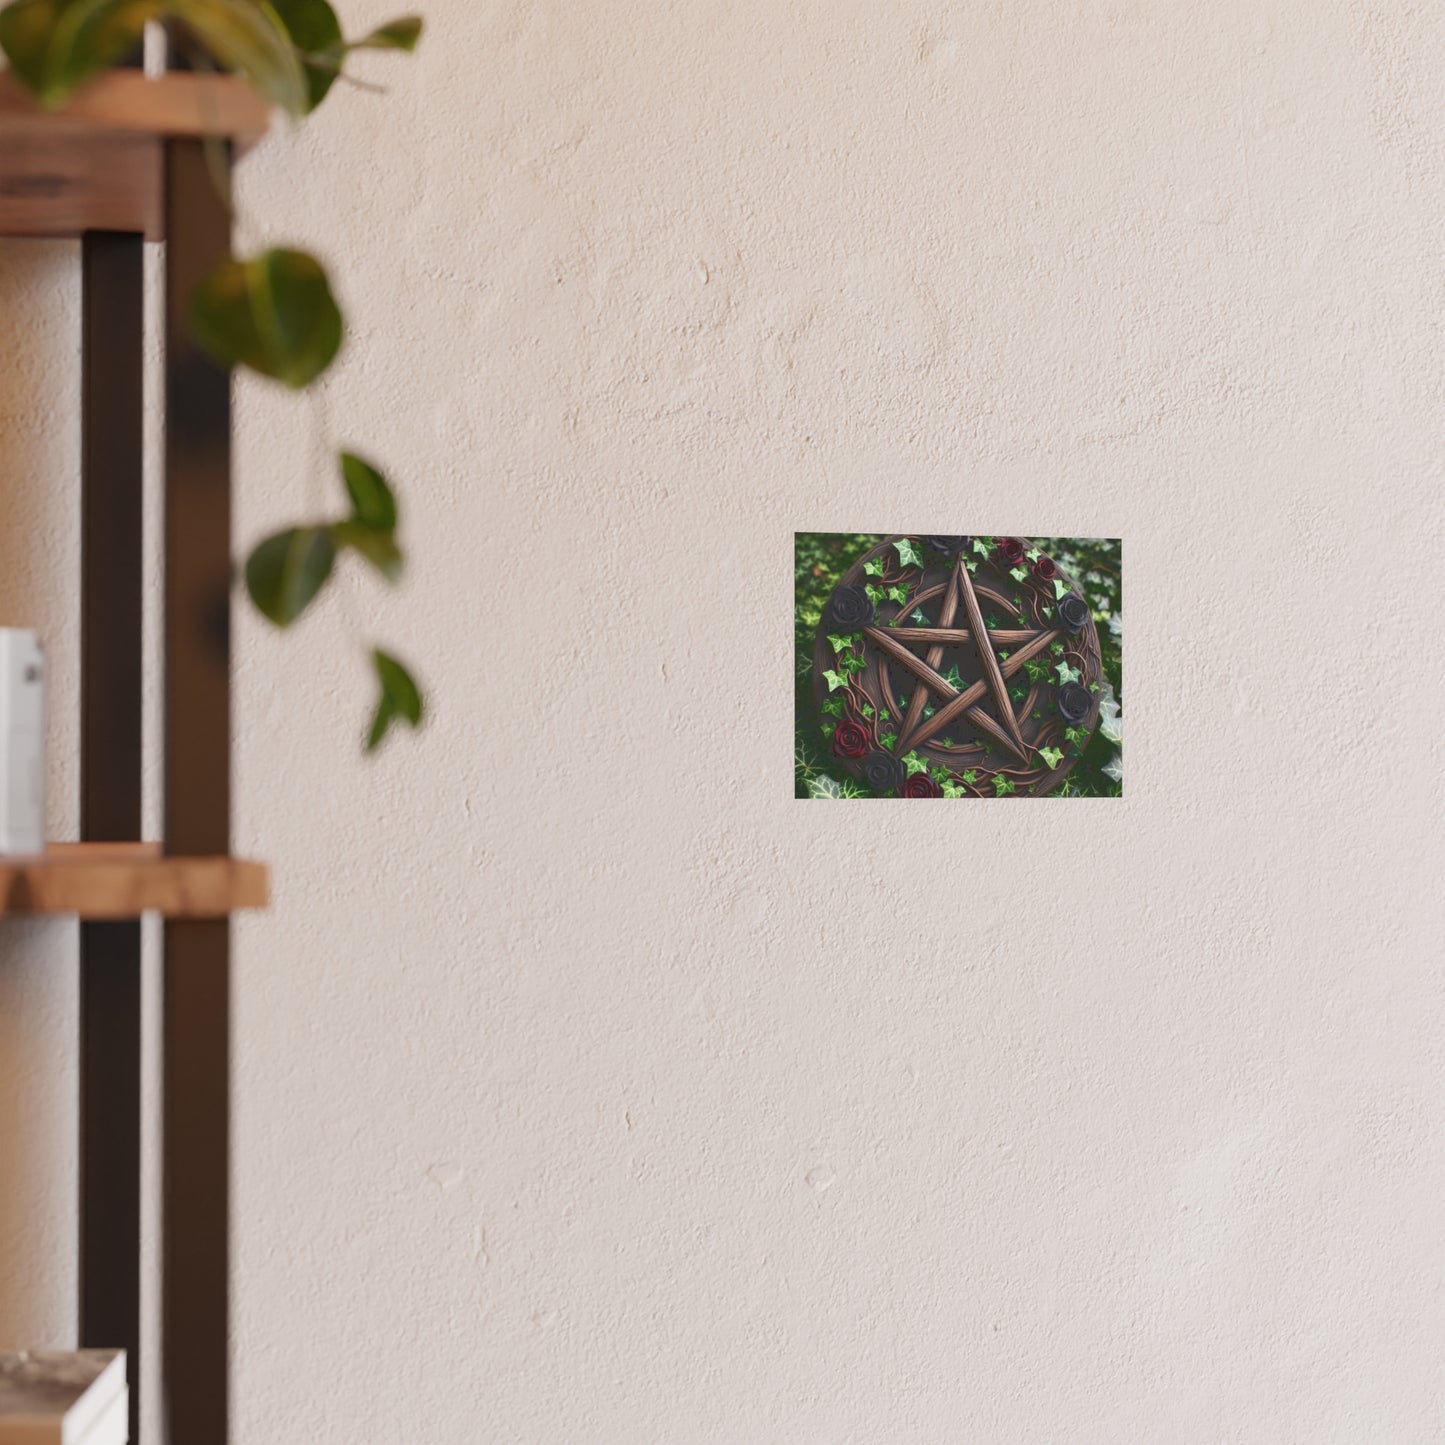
(273,313)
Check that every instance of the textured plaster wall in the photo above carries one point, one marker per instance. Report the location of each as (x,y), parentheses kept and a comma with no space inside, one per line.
(589,1088)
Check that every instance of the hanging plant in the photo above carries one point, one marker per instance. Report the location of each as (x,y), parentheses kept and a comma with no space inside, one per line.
(275,313)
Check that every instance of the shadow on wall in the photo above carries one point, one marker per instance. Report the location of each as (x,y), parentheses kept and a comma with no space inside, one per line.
(39,461)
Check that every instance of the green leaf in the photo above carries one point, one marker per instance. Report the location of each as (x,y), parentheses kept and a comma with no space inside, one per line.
(1067,673)
(839,643)
(286,571)
(1052,756)
(54,46)
(969,775)
(1077,736)
(274,314)
(400,698)
(914,763)
(372,501)
(316,33)
(868,711)
(832,706)
(378,548)
(1002,785)
(972,567)
(1110,723)
(1033,554)
(952,789)
(1061,588)
(1114,768)
(983,545)
(1057,649)
(853,663)
(898,595)
(1018,573)
(887,740)
(953,679)
(875,594)
(824,787)
(874,568)
(249,38)
(834,680)
(908,555)
(918,617)
(399,34)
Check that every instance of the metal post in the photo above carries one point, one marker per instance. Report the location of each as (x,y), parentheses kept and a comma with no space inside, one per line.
(112,349)
(197,1034)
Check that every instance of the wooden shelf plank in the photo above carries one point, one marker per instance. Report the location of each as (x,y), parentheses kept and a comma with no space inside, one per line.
(95,164)
(124,880)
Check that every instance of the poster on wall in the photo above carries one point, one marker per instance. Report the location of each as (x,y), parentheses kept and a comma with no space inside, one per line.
(958,667)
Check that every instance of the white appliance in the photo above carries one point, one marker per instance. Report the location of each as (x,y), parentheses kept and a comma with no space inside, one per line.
(22,725)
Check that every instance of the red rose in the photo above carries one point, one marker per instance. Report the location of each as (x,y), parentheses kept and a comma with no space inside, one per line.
(920,785)
(850,740)
(1044,568)
(1012,550)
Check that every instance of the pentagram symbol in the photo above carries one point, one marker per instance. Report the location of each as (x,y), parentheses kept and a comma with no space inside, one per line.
(957,666)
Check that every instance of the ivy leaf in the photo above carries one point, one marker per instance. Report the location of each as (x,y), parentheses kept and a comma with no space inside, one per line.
(1002,786)
(1018,573)
(952,678)
(918,617)
(907,554)
(399,34)
(898,595)
(972,566)
(1033,554)
(983,545)
(874,568)
(400,698)
(1077,736)
(55,46)
(887,740)
(833,706)
(1057,650)
(1067,673)
(824,787)
(834,680)
(1061,588)
(875,594)
(868,711)
(378,548)
(274,314)
(1114,768)
(853,663)
(372,501)
(951,789)
(248,38)
(839,643)
(1052,756)
(316,33)
(914,763)
(970,775)
(286,571)
(1110,723)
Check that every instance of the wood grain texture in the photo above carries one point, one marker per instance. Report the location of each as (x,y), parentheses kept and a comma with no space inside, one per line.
(957,636)
(63,183)
(971,695)
(124,880)
(96,164)
(991,672)
(174,104)
(935,654)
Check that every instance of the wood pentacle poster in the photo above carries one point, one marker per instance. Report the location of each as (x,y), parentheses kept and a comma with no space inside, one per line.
(957,666)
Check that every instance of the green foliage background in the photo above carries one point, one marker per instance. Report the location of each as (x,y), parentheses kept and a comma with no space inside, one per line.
(821,558)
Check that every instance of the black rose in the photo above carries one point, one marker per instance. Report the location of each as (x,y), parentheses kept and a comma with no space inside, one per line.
(850,607)
(1074,702)
(947,546)
(1073,611)
(883,771)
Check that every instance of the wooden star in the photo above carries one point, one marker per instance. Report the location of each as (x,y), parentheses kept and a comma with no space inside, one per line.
(897,642)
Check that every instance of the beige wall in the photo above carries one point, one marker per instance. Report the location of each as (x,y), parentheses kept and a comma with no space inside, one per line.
(589,1089)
